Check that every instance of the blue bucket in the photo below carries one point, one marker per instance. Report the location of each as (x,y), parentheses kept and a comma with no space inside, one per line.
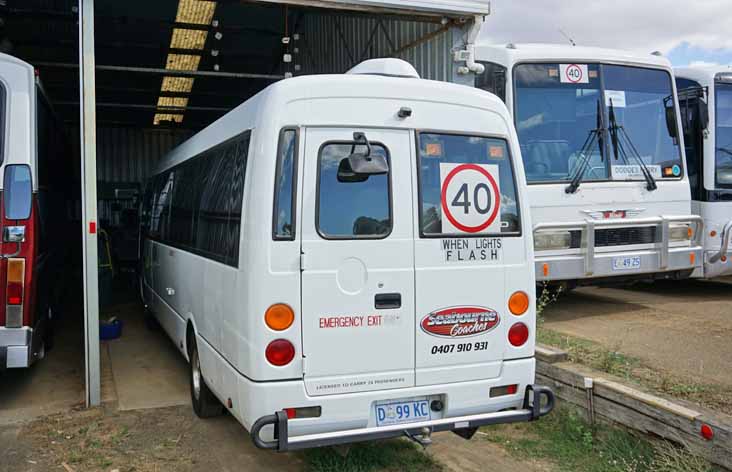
(110,330)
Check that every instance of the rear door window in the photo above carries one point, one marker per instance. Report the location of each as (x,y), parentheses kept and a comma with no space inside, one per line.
(467,186)
(352,210)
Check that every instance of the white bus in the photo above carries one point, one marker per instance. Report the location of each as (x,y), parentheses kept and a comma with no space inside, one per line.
(705,97)
(346,257)
(39,190)
(603,158)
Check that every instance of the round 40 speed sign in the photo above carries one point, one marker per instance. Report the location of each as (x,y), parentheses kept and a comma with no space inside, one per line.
(470,198)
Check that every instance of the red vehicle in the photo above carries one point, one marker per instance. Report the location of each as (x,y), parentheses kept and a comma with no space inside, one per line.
(34,221)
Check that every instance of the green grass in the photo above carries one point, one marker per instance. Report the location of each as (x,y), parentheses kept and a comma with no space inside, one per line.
(569,443)
(590,353)
(394,455)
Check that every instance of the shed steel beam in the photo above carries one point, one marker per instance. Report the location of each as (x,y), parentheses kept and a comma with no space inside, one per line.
(89,201)
(140,106)
(170,72)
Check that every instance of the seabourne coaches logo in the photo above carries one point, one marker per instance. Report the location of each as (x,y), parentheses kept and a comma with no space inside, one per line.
(460,321)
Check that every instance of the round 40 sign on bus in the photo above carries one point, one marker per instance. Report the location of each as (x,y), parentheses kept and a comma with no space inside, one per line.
(471,198)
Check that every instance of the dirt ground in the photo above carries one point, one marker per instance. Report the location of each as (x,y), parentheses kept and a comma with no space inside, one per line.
(173,439)
(679,327)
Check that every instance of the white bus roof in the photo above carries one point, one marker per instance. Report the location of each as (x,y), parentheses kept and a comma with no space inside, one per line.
(269,108)
(509,54)
(7,58)
(704,74)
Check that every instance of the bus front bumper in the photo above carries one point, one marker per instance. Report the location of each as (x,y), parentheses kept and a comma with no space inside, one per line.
(606,265)
(532,409)
(618,261)
(15,347)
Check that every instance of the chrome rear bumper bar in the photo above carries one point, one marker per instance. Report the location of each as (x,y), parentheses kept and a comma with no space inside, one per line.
(15,347)
(591,263)
(532,410)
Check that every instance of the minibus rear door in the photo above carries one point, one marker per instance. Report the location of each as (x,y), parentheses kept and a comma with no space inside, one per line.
(467,203)
(358,260)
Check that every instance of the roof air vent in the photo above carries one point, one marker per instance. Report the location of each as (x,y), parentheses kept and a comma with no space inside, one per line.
(388,67)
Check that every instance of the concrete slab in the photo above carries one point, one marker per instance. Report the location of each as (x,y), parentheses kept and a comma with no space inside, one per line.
(148,370)
(51,385)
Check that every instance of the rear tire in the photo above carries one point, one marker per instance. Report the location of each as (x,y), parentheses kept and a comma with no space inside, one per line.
(205,403)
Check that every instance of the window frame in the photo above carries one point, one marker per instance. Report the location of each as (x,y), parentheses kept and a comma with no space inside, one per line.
(698,190)
(389,186)
(728,86)
(295,178)
(604,109)
(507,140)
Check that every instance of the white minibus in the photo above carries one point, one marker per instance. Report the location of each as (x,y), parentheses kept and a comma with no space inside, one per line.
(348,257)
(604,161)
(705,97)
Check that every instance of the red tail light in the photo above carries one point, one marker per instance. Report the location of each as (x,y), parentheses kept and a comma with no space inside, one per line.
(15,293)
(518,334)
(280,352)
(14,289)
(502,391)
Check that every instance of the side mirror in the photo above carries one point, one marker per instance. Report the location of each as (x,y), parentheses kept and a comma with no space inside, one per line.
(671,122)
(358,167)
(702,113)
(18,192)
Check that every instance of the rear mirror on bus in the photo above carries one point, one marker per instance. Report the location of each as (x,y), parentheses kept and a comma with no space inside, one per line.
(17,192)
(702,113)
(671,122)
(358,167)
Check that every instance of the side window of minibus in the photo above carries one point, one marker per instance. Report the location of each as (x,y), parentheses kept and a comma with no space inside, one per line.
(161,204)
(352,209)
(283,228)
(221,182)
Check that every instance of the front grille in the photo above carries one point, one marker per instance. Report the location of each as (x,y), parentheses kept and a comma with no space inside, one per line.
(610,237)
(625,236)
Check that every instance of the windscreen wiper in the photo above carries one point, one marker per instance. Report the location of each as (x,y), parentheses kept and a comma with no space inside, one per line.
(586,151)
(619,138)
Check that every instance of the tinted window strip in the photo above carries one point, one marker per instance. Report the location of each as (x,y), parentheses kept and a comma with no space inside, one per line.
(218,241)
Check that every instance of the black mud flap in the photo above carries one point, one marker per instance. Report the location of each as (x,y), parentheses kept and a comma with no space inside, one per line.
(3,358)
(466,433)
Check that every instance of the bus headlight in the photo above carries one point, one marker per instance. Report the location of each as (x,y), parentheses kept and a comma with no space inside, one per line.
(552,240)
(680,232)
